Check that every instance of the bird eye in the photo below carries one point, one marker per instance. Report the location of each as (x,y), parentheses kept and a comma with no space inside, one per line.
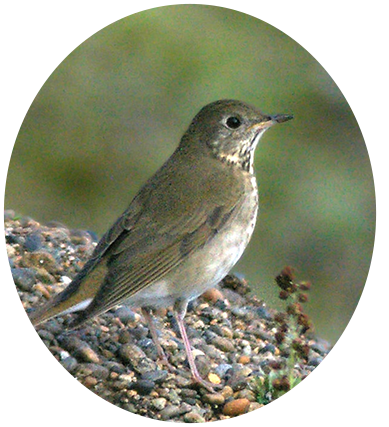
(233,122)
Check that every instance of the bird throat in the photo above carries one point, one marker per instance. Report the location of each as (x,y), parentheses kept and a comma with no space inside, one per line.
(243,157)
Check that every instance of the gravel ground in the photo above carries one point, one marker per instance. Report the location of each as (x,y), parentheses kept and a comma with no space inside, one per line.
(255,354)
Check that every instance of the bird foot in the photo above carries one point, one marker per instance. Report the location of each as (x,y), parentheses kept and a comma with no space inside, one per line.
(211,387)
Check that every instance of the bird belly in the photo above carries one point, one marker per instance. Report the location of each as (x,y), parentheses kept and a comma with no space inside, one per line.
(204,268)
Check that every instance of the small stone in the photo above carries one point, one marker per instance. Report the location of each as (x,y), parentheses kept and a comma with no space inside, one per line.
(24,278)
(70,364)
(143,387)
(227,392)
(222,369)
(41,259)
(256,409)
(238,381)
(43,290)
(214,398)
(90,381)
(227,332)
(193,417)
(223,344)
(98,371)
(244,360)
(212,295)
(88,355)
(132,355)
(157,376)
(159,403)
(170,412)
(33,242)
(246,394)
(125,314)
(124,336)
(236,407)
(214,379)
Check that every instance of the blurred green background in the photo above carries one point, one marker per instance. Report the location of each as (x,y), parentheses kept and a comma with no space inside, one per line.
(114,110)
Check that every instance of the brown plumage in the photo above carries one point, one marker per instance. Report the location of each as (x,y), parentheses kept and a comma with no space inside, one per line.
(184,230)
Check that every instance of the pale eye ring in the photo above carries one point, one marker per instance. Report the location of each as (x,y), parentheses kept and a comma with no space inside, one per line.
(233,122)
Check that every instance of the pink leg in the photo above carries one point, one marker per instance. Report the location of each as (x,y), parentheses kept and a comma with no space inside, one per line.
(180,308)
(153,332)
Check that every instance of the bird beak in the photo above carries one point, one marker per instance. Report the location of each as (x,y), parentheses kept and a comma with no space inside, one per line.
(272,120)
(281,118)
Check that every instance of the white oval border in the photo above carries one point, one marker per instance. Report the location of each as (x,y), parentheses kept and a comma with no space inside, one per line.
(363,135)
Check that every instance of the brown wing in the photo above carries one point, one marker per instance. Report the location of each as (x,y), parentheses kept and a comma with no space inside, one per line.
(172,225)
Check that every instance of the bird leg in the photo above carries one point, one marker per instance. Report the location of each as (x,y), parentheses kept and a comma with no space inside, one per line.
(180,308)
(154,336)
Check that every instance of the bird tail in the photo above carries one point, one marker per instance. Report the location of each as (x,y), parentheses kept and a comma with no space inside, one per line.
(76,297)
(43,313)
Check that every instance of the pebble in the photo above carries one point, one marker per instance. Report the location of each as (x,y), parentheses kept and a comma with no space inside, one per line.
(212,295)
(236,407)
(132,355)
(193,417)
(33,242)
(42,259)
(227,392)
(157,376)
(256,409)
(43,290)
(232,334)
(24,278)
(222,369)
(244,360)
(246,394)
(214,379)
(87,355)
(237,383)
(70,364)
(143,386)
(169,412)
(90,382)
(223,344)
(125,314)
(159,403)
(214,398)
(98,371)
